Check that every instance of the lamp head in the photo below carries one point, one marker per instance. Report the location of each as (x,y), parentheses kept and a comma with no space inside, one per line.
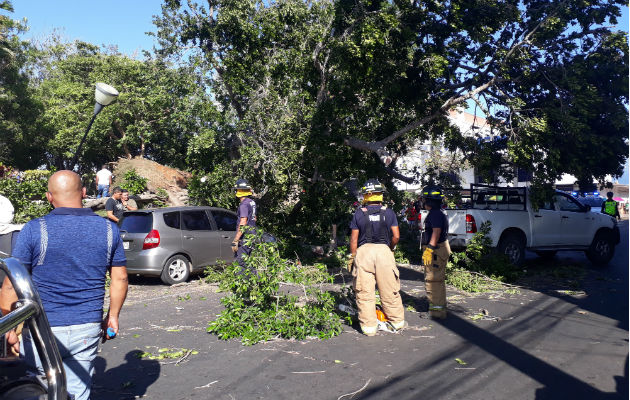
(105,94)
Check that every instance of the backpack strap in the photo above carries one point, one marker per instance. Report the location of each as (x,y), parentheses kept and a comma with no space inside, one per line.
(368,226)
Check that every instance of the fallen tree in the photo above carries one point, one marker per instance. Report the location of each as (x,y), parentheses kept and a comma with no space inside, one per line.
(142,200)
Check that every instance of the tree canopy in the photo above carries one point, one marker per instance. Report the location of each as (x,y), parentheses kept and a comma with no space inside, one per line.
(19,108)
(315,93)
(307,98)
(159,110)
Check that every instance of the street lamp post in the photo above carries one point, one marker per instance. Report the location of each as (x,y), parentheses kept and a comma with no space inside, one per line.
(104,95)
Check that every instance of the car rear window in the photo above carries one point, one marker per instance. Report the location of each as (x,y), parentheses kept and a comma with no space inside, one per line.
(171,219)
(137,222)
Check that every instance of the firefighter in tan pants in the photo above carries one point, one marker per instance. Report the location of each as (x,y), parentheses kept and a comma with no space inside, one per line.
(372,241)
(435,250)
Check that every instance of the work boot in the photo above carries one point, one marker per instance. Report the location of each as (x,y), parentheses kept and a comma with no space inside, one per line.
(369,330)
(399,326)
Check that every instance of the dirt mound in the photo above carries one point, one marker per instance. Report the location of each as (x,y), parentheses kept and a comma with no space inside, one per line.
(158,176)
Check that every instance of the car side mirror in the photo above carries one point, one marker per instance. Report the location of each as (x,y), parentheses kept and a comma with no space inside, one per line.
(588,208)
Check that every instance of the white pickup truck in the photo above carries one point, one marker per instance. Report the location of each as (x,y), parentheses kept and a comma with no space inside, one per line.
(557,225)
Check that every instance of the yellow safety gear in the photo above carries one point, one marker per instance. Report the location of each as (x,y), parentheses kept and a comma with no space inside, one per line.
(373,197)
(427,257)
(610,207)
(350,262)
(243,192)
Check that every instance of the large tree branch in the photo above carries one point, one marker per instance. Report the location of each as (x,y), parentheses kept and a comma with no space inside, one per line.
(233,101)
(379,146)
(399,176)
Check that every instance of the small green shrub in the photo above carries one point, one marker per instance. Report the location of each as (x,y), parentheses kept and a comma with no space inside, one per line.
(257,310)
(133,182)
(27,193)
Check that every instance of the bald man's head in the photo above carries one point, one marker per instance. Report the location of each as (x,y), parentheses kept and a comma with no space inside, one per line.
(65,189)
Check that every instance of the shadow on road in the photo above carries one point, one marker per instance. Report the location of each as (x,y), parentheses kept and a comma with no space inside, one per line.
(428,381)
(128,380)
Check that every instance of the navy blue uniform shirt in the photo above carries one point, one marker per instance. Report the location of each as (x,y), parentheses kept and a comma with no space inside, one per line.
(247,209)
(435,219)
(360,221)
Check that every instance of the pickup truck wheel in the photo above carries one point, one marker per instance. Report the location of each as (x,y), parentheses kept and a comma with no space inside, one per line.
(513,247)
(176,270)
(602,249)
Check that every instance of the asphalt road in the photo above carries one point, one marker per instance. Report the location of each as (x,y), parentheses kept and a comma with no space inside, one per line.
(540,342)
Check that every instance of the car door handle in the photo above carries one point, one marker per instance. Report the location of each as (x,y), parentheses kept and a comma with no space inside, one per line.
(189,237)
(537,216)
(225,237)
(564,216)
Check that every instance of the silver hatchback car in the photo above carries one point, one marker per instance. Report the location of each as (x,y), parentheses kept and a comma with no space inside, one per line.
(174,242)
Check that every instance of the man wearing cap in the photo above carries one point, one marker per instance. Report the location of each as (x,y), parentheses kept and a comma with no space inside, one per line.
(246,220)
(374,235)
(435,251)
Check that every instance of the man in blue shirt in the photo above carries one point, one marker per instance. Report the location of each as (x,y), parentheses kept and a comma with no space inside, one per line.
(246,220)
(373,238)
(68,253)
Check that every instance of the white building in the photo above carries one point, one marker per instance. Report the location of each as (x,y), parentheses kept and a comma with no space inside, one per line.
(414,163)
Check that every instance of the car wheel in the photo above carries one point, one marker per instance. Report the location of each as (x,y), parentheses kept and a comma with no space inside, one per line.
(176,270)
(602,249)
(514,248)
(546,254)
(24,388)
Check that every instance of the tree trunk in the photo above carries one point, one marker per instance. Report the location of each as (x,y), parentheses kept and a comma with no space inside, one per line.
(116,124)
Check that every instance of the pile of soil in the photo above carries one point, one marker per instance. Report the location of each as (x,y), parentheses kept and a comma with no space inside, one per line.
(172,180)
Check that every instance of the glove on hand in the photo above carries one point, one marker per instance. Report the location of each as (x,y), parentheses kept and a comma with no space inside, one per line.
(234,247)
(350,262)
(427,257)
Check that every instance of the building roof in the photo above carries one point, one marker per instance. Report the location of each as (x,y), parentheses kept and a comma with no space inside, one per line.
(469,123)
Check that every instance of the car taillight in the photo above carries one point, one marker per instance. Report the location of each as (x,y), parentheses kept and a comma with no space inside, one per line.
(152,240)
(471,225)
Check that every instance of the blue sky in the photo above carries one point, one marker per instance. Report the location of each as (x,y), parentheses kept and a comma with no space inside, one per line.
(117,22)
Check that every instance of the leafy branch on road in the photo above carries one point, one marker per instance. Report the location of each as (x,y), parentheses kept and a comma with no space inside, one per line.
(256,309)
(478,268)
